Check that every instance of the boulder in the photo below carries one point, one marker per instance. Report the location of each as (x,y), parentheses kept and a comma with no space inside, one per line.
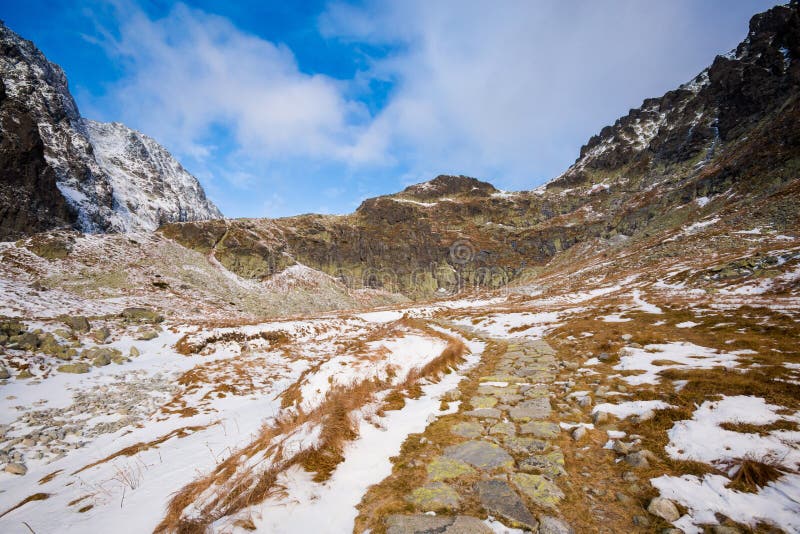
(77,323)
(101,334)
(75,367)
(16,468)
(664,508)
(142,315)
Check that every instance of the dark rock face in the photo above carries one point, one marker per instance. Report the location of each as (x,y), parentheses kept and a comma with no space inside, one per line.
(30,202)
(718,106)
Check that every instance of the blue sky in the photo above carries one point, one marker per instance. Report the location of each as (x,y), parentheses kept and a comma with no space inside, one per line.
(283,107)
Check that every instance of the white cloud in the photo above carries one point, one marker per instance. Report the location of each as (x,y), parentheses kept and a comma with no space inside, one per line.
(511,89)
(191,72)
(503,91)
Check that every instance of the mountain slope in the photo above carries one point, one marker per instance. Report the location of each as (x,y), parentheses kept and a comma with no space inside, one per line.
(727,139)
(60,170)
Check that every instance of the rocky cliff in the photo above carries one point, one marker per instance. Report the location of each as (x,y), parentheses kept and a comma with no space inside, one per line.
(717,144)
(59,170)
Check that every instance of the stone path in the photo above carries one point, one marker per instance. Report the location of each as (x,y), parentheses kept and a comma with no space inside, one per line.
(507,457)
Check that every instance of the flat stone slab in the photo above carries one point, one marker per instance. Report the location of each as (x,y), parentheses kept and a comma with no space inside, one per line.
(444,468)
(479,403)
(541,429)
(537,488)
(504,428)
(499,499)
(430,524)
(485,413)
(467,429)
(538,408)
(550,464)
(480,454)
(434,497)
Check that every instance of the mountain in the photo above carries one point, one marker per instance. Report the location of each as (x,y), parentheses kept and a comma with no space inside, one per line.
(727,143)
(61,170)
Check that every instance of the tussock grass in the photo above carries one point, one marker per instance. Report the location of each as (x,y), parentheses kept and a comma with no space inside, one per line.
(753,474)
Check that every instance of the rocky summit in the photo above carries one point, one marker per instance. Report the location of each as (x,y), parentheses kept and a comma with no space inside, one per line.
(60,170)
(613,351)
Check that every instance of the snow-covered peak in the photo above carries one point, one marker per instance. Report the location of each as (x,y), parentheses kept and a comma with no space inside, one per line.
(111,177)
(149,186)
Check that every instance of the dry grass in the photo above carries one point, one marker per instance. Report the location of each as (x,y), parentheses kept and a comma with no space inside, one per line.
(228,489)
(142,446)
(26,500)
(753,474)
(47,478)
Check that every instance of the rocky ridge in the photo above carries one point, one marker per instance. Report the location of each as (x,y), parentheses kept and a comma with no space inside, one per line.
(60,170)
(717,146)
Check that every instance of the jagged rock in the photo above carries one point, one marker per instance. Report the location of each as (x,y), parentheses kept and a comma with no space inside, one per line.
(552,525)
(579,433)
(4,374)
(480,454)
(664,508)
(498,498)
(444,468)
(435,496)
(26,341)
(427,524)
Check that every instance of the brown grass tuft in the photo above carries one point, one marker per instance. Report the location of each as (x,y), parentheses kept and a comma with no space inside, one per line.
(753,474)
(26,500)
